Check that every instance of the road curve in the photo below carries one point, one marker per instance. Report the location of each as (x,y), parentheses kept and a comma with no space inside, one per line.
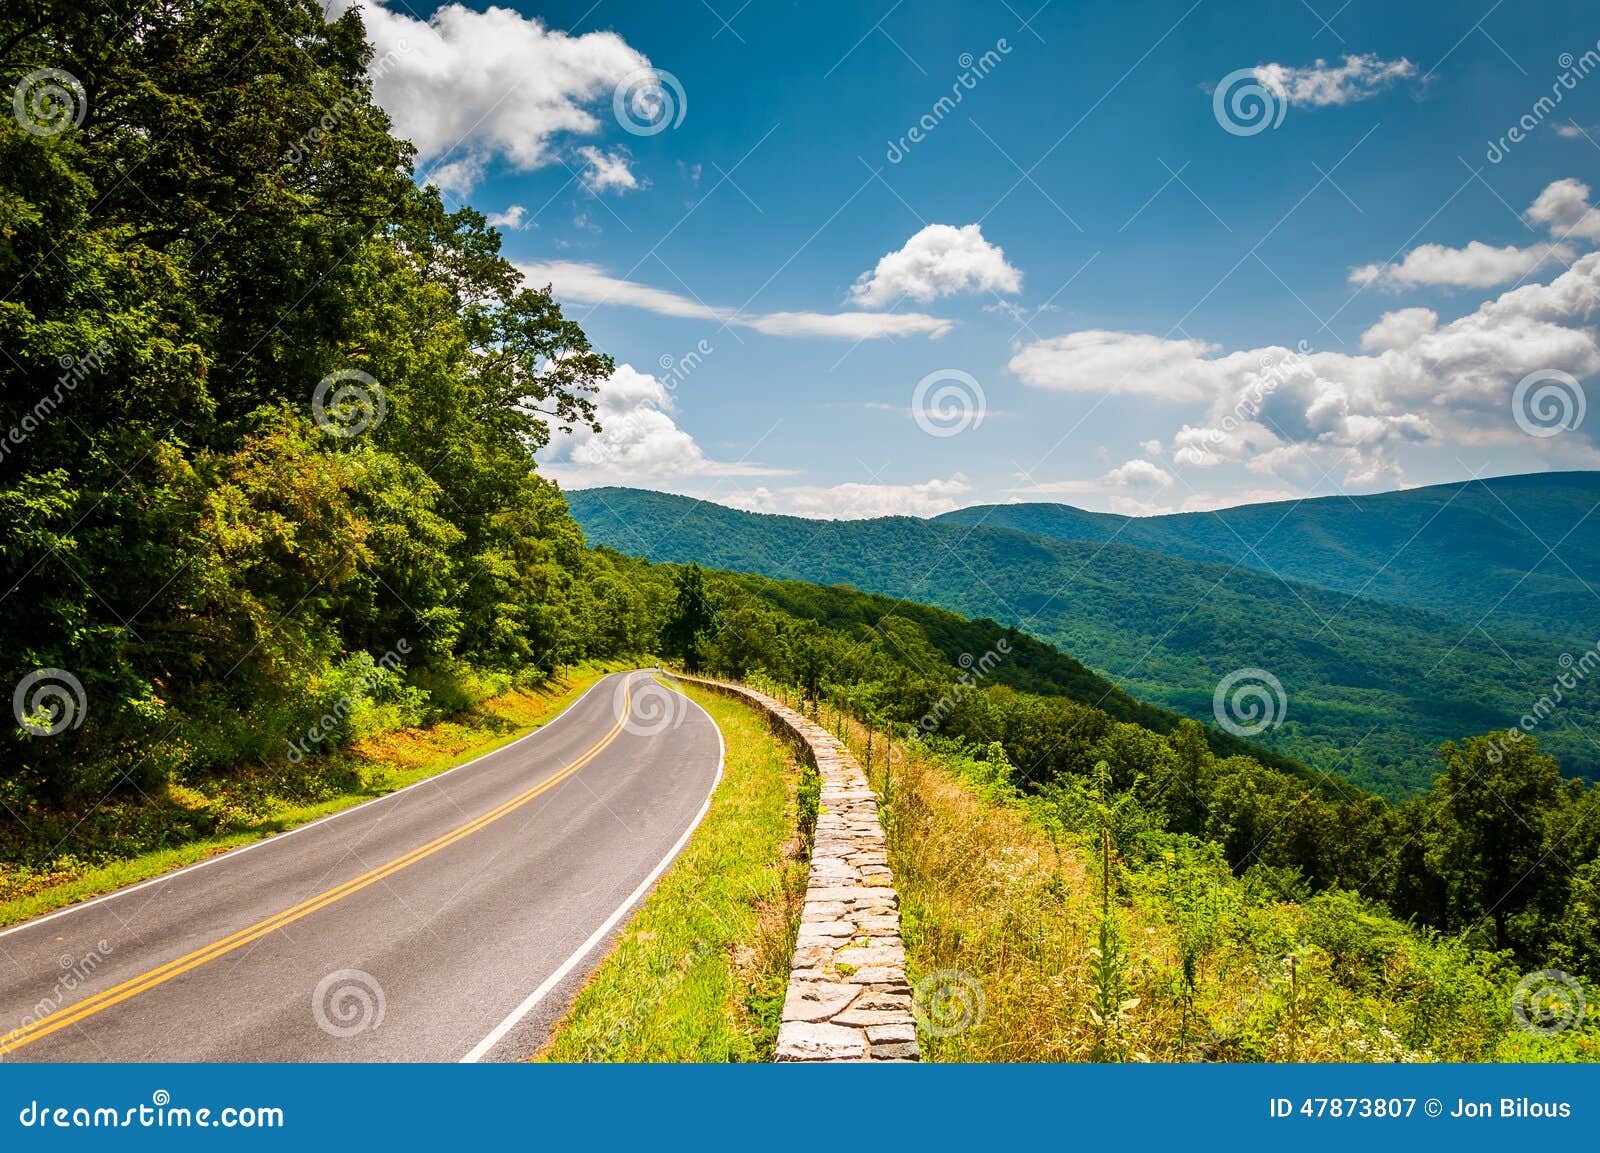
(448,921)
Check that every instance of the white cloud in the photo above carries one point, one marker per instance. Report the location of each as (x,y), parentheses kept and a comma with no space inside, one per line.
(1140,474)
(1575,131)
(605,171)
(583,283)
(469,87)
(940,260)
(1323,84)
(1419,381)
(1095,360)
(845,325)
(639,440)
(1564,208)
(514,218)
(1478,265)
(1399,329)
(855,501)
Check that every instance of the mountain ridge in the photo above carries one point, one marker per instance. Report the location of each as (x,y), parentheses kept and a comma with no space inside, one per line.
(1372,687)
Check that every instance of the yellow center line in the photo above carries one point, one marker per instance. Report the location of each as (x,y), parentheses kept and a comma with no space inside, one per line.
(132,987)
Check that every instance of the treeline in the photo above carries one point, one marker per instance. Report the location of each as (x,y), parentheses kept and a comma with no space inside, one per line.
(1502,851)
(268,411)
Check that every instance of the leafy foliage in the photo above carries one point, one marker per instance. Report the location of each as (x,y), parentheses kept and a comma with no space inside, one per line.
(231,223)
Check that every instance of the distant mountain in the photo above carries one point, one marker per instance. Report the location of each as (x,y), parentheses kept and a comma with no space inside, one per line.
(1520,549)
(1372,688)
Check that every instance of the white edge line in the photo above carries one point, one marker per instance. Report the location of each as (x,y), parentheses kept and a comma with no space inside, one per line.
(235,853)
(482,1048)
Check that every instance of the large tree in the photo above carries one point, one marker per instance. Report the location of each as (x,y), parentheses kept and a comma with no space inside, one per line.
(269,403)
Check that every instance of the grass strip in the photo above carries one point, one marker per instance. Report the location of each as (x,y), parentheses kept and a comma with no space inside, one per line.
(699,973)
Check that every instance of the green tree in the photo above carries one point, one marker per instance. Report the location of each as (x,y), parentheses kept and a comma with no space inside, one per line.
(691,619)
(1495,808)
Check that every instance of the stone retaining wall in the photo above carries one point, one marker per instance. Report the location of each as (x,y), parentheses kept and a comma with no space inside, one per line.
(848,997)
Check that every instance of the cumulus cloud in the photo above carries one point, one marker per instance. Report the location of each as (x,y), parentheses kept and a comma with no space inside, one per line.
(855,501)
(1324,84)
(1400,329)
(1417,381)
(607,171)
(640,440)
(1095,360)
(469,87)
(1478,265)
(1140,474)
(1136,475)
(1564,208)
(583,283)
(514,218)
(940,260)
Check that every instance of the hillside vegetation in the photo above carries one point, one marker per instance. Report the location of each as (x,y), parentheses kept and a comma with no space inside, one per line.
(275,410)
(1516,550)
(1372,689)
(1065,924)
(1500,854)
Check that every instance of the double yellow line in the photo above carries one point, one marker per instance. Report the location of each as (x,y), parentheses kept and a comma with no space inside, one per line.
(72,1014)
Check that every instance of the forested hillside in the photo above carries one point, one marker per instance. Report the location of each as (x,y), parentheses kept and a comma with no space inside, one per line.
(1371,689)
(1512,549)
(273,410)
(1500,851)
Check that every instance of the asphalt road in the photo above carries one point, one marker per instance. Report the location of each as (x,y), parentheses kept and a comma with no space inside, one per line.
(448,921)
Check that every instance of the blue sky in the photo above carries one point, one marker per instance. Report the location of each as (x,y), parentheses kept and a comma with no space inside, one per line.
(1113,290)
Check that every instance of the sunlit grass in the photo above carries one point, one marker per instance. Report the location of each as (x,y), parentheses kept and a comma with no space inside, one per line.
(700,972)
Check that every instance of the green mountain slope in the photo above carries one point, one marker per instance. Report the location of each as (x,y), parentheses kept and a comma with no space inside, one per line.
(1517,549)
(1372,689)
(929,641)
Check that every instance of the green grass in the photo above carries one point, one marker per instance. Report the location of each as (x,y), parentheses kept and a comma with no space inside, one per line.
(370,769)
(700,972)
